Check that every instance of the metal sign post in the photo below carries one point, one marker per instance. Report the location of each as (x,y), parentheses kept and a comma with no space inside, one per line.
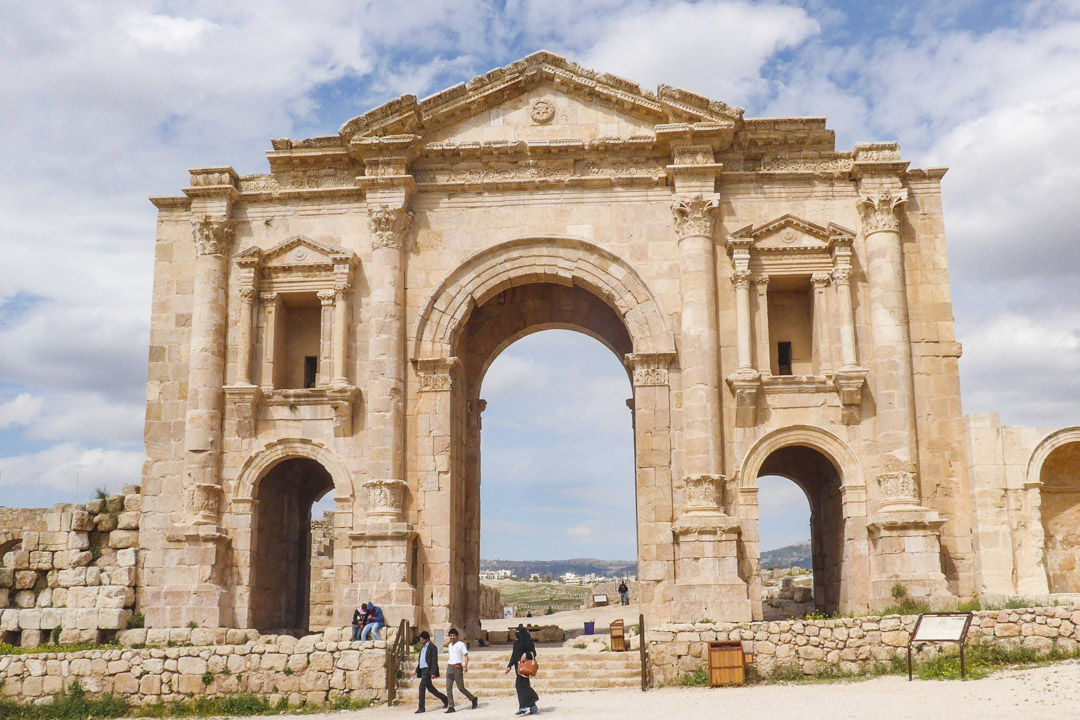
(941,627)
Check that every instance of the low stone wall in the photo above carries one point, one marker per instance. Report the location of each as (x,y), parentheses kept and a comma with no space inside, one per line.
(850,644)
(310,670)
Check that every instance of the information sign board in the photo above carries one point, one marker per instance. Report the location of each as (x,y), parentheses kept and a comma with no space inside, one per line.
(942,628)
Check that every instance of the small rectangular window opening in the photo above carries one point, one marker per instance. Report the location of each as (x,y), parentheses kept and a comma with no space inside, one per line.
(783,357)
(311,370)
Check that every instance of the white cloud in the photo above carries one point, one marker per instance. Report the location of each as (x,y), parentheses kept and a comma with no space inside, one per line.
(64,466)
(715,49)
(20,411)
(161,32)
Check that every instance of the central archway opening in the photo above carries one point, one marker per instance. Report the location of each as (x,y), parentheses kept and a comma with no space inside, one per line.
(1060,476)
(556,478)
(819,480)
(281,568)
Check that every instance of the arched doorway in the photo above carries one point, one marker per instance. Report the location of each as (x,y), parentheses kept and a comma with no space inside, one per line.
(281,544)
(819,478)
(491,328)
(1060,478)
(787,577)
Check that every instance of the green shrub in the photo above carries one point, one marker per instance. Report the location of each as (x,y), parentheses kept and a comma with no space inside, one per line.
(207,677)
(694,678)
(137,620)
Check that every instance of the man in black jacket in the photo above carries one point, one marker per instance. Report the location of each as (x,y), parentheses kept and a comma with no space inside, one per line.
(426,668)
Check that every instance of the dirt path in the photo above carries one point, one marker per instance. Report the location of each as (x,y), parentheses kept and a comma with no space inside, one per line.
(1044,693)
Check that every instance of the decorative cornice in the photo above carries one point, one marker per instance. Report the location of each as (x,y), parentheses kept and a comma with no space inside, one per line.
(879,210)
(213,236)
(389,226)
(695,216)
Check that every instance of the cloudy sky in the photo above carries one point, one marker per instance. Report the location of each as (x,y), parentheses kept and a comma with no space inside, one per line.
(106,103)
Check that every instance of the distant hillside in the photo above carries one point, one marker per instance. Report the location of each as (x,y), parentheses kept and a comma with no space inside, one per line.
(555,568)
(797,555)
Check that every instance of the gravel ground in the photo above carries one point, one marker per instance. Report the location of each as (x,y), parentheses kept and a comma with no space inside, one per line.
(1042,693)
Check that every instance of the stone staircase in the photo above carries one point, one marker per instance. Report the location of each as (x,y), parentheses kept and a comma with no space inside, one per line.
(561,670)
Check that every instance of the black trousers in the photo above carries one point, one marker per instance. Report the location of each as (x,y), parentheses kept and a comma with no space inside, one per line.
(425,684)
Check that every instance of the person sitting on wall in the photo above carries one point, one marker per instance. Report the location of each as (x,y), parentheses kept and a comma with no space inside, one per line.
(375,620)
(359,621)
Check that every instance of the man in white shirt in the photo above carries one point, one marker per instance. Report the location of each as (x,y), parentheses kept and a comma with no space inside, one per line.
(457,664)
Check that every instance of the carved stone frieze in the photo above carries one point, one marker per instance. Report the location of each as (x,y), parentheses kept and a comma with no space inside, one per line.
(695,215)
(542,111)
(879,210)
(213,236)
(385,499)
(741,279)
(203,502)
(389,226)
(436,374)
(650,369)
(841,275)
(838,165)
(820,280)
(898,488)
(705,493)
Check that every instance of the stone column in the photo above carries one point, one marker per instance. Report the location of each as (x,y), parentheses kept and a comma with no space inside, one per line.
(341,310)
(820,281)
(390,228)
(894,392)
(841,277)
(244,341)
(741,280)
(213,237)
(271,303)
(326,345)
(699,351)
(761,326)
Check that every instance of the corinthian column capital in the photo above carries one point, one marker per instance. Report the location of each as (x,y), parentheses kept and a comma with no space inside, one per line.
(389,226)
(695,215)
(879,209)
(213,235)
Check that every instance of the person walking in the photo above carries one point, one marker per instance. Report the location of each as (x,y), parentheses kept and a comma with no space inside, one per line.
(359,620)
(376,620)
(624,593)
(523,648)
(457,664)
(427,667)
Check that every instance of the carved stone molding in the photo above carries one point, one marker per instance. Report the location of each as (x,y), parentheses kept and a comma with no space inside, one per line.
(385,499)
(820,279)
(436,374)
(203,502)
(249,294)
(841,275)
(879,210)
(695,215)
(213,236)
(705,493)
(761,281)
(849,383)
(898,488)
(342,398)
(245,401)
(650,369)
(326,297)
(389,226)
(741,279)
(746,384)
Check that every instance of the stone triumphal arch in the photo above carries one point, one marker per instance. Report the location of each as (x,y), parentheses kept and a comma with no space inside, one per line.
(781,307)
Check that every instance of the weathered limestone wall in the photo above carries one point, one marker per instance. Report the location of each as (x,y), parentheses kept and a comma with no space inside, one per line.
(850,644)
(491,604)
(75,572)
(311,670)
(322,574)
(1025,494)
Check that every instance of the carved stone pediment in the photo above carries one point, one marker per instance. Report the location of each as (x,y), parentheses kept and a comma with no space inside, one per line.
(537,88)
(295,253)
(789,233)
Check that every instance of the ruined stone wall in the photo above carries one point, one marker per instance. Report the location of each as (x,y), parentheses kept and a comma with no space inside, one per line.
(850,644)
(73,574)
(491,604)
(313,670)
(321,604)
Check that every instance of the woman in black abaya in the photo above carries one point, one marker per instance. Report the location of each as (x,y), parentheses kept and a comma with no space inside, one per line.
(523,648)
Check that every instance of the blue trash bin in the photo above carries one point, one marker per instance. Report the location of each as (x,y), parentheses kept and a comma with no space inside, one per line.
(590,627)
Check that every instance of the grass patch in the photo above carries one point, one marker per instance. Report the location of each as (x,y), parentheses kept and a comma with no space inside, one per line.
(538,597)
(73,704)
(6,649)
(694,678)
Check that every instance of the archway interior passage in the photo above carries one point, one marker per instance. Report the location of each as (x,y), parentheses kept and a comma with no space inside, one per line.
(558,448)
(1060,476)
(784,537)
(281,567)
(820,481)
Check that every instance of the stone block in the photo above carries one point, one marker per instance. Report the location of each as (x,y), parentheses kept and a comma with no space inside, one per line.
(105,522)
(82,521)
(25,579)
(120,539)
(127,521)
